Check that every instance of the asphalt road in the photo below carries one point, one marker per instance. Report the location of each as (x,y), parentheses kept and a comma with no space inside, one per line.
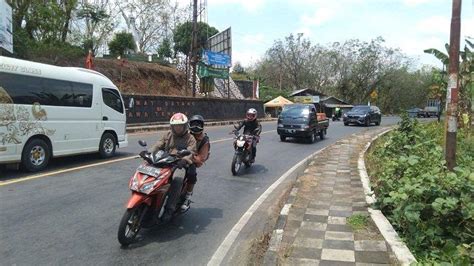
(73,217)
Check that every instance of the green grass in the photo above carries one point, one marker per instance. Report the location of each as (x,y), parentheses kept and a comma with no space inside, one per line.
(357,221)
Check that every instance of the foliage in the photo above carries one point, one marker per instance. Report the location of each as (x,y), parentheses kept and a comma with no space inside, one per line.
(350,71)
(431,208)
(122,42)
(357,221)
(183,36)
(164,50)
(268,93)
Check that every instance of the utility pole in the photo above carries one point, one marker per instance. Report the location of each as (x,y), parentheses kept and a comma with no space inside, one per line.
(194,46)
(453,86)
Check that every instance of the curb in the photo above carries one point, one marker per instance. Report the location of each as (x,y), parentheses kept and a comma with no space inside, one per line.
(162,127)
(398,247)
(271,255)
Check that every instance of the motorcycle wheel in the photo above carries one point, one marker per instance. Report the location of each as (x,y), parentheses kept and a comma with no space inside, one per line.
(130,226)
(236,165)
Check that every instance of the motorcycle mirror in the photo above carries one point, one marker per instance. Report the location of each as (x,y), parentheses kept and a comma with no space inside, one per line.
(142,143)
(183,153)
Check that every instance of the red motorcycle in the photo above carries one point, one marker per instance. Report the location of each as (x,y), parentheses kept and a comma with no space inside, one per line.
(243,151)
(157,187)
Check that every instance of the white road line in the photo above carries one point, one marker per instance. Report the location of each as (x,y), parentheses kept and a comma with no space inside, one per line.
(4,183)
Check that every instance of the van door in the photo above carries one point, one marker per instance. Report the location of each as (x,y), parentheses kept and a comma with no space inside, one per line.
(113,112)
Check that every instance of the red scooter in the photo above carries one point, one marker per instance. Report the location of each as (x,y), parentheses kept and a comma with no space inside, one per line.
(158,187)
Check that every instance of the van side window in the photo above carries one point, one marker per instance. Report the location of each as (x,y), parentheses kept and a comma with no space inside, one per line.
(29,90)
(112,99)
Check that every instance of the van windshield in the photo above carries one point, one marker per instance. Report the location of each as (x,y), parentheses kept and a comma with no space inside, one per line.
(295,111)
(360,109)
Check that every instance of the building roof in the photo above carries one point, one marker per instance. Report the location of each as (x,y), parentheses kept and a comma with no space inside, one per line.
(307,92)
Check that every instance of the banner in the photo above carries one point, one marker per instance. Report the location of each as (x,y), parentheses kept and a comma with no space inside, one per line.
(207,71)
(6,28)
(218,59)
(306,99)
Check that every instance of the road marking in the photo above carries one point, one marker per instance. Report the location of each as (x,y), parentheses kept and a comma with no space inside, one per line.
(221,252)
(4,183)
(22,179)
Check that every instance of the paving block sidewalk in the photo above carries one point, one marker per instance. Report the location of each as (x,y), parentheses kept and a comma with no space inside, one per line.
(316,231)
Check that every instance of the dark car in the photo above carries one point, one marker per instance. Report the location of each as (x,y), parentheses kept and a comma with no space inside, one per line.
(301,121)
(363,115)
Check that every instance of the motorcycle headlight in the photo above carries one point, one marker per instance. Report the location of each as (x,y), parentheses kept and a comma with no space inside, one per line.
(134,183)
(240,143)
(148,187)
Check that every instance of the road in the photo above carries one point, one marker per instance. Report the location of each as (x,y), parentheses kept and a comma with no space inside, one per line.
(72,217)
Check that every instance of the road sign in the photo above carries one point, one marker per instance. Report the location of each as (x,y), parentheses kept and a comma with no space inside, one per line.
(373,95)
(214,58)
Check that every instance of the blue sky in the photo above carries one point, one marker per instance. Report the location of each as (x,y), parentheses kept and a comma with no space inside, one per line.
(411,25)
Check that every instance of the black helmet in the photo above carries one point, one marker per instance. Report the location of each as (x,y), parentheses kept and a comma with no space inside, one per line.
(196,124)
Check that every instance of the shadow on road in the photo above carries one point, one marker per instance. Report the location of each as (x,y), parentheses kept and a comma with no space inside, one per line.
(195,221)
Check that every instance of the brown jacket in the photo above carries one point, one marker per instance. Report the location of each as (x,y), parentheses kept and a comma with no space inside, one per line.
(173,144)
(203,153)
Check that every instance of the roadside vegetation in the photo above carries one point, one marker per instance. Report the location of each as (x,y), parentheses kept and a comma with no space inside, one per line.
(430,207)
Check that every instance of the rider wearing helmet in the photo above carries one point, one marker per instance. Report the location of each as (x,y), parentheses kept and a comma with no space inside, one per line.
(196,128)
(176,139)
(251,127)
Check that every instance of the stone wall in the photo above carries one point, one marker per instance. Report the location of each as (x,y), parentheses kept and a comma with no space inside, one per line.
(148,109)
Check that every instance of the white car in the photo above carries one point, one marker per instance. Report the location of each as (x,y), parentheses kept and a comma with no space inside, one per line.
(49,111)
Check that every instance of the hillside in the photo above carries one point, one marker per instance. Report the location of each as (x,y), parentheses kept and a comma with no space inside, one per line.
(135,77)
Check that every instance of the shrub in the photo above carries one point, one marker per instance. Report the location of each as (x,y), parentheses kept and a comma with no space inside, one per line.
(431,207)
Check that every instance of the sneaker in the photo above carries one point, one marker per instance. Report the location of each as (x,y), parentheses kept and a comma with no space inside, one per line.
(187,201)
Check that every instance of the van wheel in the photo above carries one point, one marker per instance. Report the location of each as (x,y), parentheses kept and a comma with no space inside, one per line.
(312,138)
(107,145)
(35,156)
(282,138)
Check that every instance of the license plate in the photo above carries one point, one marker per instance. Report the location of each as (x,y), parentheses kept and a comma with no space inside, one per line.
(290,130)
(149,170)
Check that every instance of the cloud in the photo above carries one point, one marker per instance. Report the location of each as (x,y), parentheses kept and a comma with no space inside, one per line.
(252,39)
(434,25)
(413,3)
(249,5)
(320,16)
(246,58)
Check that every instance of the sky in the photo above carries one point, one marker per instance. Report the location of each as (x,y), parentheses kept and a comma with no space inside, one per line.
(411,25)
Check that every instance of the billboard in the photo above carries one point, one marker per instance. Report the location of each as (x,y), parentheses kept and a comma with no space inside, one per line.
(221,43)
(213,58)
(6,26)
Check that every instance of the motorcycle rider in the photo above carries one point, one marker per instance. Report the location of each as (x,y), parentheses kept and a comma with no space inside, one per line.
(176,139)
(196,128)
(251,127)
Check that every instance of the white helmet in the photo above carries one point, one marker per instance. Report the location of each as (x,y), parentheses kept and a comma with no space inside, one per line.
(251,114)
(178,120)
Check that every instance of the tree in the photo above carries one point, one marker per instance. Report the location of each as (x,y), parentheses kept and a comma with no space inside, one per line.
(165,49)
(122,42)
(466,78)
(148,20)
(182,36)
(97,24)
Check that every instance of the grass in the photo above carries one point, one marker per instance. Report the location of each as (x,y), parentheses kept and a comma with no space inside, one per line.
(357,221)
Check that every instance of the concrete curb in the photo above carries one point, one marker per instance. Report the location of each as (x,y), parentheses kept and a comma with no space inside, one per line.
(399,249)
(271,255)
(158,127)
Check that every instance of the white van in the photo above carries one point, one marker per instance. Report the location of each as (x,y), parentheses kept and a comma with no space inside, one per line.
(49,111)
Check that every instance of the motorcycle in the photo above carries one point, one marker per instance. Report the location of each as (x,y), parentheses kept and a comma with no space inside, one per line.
(158,186)
(243,151)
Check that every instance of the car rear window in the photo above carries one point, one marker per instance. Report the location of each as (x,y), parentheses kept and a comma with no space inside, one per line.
(295,111)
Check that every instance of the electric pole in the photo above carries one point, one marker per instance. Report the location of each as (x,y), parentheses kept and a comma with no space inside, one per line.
(194,46)
(453,86)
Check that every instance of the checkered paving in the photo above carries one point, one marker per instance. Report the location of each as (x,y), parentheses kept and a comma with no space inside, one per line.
(316,230)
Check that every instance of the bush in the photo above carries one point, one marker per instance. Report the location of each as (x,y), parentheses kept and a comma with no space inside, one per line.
(122,42)
(431,207)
